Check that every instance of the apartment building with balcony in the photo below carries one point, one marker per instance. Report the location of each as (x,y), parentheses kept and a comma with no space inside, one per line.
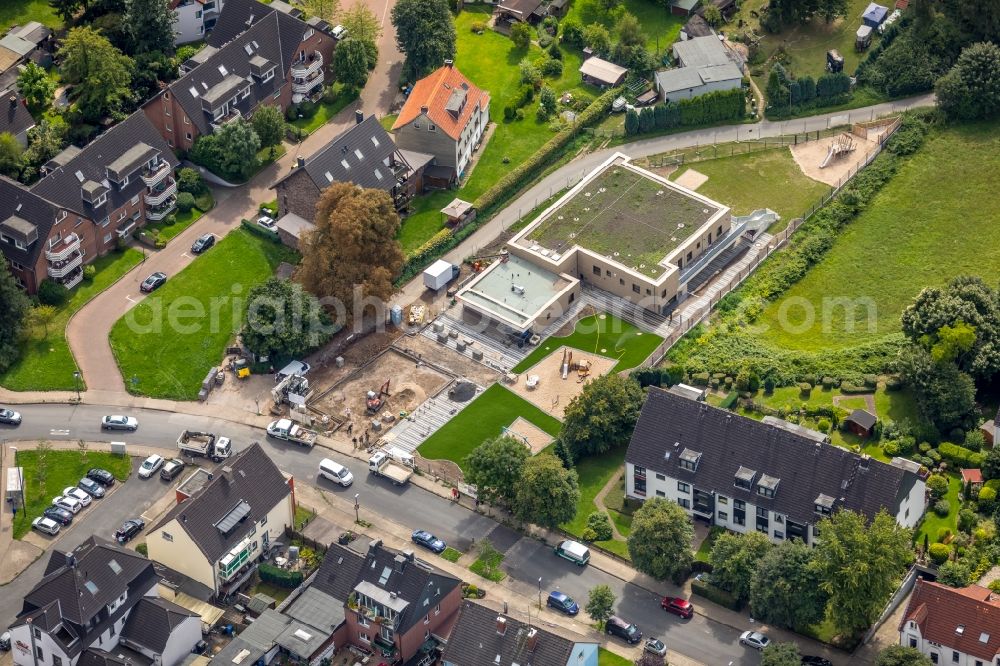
(742,474)
(224,521)
(193,19)
(256,54)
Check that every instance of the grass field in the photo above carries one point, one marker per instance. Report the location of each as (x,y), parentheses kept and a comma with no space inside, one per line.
(765,179)
(594,473)
(325,112)
(659,26)
(167,232)
(927,225)
(21,11)
(600,334)
(200,311)
(61,468)
(608,658)
(934,523)
(491,60)
(486,417)
(46,363)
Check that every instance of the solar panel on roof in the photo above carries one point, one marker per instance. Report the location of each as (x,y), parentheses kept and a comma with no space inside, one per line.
(233,518)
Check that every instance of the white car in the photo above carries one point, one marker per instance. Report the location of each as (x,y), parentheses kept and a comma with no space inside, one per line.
(68,503)
(79,494)
(119,422)
(150,465)
(267,222)
(754,639)
(46,526)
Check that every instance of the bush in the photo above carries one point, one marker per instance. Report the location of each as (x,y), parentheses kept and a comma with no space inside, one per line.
(189,180)
(52,293)
(552,68)
(600,524)
(715,594)
(937,485)
(959,456)
(478,27)
(823,425)
(829,383)
(185,202)
(142,549)
(891,449)
(805,388)
(280,577)
(934,455)
(259,230)
(942,508)
(967,520)
(938,553)
(89,271)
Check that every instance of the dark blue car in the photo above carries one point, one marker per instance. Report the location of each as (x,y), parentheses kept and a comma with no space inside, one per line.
(562,603)
(428,541)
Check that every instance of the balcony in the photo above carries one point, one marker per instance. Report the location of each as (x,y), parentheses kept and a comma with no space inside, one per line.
(157,213)
(63,249)
(63,268)
(153,176)
(308,66)
(156,196)
(125,229)
(230,116)
(72,280)
(302,85)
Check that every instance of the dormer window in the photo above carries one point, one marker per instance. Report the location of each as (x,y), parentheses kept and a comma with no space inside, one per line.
(101,200)
(268,75)
(824,505)
(245,93)
(689,460)
(767,485)
(744,478)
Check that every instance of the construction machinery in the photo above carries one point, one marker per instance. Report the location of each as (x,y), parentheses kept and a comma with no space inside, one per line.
(480,263)
(375,399)
(292,389)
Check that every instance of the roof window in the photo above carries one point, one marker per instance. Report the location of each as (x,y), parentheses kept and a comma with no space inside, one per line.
(960,629)
(984,637)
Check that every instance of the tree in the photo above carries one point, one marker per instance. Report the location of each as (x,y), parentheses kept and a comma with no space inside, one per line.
(238,146)
(547,493)
(859,566)
(631,122)
(991,464)
(898,655)
(269,124)
(101,73)
(152,68)
(353,246)
(777,86)
(495,468)
(660,541)
(945,394)
(283,321)
(520,34)
(785,589)
(971,89)
(781,654)
(149,25)
(10,155)
(649,659)
(362,25)
(600,603)
(66,9)
(602,416)
(829,10)
(735,558)
(328,10)
(45,140)
(629,31)
(597,37)
(425,32)
(189,180)
(350,62)
(547,100)
(14,304)
(36,87)
(713,16)
(42,315)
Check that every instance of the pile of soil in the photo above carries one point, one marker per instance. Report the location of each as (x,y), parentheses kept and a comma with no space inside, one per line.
(462,391)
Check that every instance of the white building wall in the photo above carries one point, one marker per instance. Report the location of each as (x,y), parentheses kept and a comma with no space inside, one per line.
(910,636)
(20,648)
(703,89)
(182,639)
(189,23)
(912,507)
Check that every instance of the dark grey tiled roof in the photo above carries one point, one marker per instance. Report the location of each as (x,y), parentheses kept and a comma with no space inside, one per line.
(17,201)
(863,418)
(14,118)
(669,424)
(474,641)
(63,186)
(151,622)
(369,138)
(95,657)
(253,479)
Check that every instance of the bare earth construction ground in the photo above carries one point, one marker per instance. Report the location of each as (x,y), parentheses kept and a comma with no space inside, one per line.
(553,393)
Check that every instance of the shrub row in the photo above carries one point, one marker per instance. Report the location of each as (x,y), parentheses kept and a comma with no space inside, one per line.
(280,577)
(658,376)
(959,456)
(711,108)
(715,594)
(259,230)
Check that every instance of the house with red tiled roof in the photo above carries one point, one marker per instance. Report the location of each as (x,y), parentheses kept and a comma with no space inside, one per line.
(953,626)
(445,116)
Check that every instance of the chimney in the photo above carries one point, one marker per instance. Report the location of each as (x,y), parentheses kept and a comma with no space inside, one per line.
(373,547)
(359,116)
(424,109)
(863,464)
(13,101)
(501,625)
(532,642)
(449,63)
(408,554)
(399,563)
(300,161)
(227,474)
(70,560)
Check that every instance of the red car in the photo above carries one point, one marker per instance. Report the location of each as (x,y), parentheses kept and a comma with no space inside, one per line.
(677,606)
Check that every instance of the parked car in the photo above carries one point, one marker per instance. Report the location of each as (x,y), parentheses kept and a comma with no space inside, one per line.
(153,282)
(67,503)
(754,639)
(102,476)
(334,471)
(150,465)
(129,529)
(5,641)
(808,660)
(574,551)
(79,495)
(677,606)
(562,602)
(627,631)
(267,222)
(428,541)
(119,422)
(203,243)
(655,646)
(338,32)
(45,525)
(91,487)
(58,514)
(10,417)
(171,469)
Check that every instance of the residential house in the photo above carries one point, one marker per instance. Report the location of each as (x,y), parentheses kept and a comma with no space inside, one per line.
(485,636)
(704,65)
(193,19)
(602,73)
(741,474)
(86,200)
(509,12)
(224,521)
(256,55)
(861,422)
(953,626)
(991,430)
(393,603)
(364,155)
(696,26)
(23,43)
(445,116)
(97,599)
(15,119)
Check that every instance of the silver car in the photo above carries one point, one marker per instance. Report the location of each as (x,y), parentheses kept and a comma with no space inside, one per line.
(119,422)
(45,526)
(68,503)
(9,416)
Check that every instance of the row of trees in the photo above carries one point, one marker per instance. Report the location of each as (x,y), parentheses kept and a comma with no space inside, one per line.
(709,108)
(785,92)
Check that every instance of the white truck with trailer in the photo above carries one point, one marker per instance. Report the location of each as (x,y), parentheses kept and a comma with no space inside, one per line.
(195,443)
(393,464)
(292,432)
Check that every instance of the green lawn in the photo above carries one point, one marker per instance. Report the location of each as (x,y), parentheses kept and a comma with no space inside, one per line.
(927,225)
(451,554)
(486,417)
(705,547)
(21,11)
(276,592)
(182,330)
(61,468)
(489,567)
(660,27)
(608,658)
(167,232)
(765,179)
(46,363)
(602,334)
(324,113)
(490,60)
(594,473)
(934,523)
(850,404)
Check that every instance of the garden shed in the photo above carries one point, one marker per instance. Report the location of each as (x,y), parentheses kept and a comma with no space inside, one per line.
(861,422)
(512,11)
(602,73)
(874,15)
(973,476)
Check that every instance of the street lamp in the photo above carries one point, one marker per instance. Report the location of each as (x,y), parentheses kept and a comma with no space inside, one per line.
(357,506)
(76,382)
(539,592)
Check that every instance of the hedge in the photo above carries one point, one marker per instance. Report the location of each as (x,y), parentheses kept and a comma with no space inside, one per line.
(280,577)
(959,456)
(715,595)
(729,400)
(705,109)
(259,230)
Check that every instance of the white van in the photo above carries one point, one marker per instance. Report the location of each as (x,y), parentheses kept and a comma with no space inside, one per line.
(299,368)
(335,472)
(574,551)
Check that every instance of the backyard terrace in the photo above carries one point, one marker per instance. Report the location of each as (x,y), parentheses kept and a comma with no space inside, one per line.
(626,216)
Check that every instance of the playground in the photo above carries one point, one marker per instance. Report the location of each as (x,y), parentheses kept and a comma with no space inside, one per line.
(831,160)
(553,382)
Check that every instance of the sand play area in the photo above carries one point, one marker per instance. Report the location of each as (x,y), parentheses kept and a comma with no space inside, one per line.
(552,393)
(526,431)
(811,154)
(691,179)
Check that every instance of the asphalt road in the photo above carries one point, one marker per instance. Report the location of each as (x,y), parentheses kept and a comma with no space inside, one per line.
(526,559)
